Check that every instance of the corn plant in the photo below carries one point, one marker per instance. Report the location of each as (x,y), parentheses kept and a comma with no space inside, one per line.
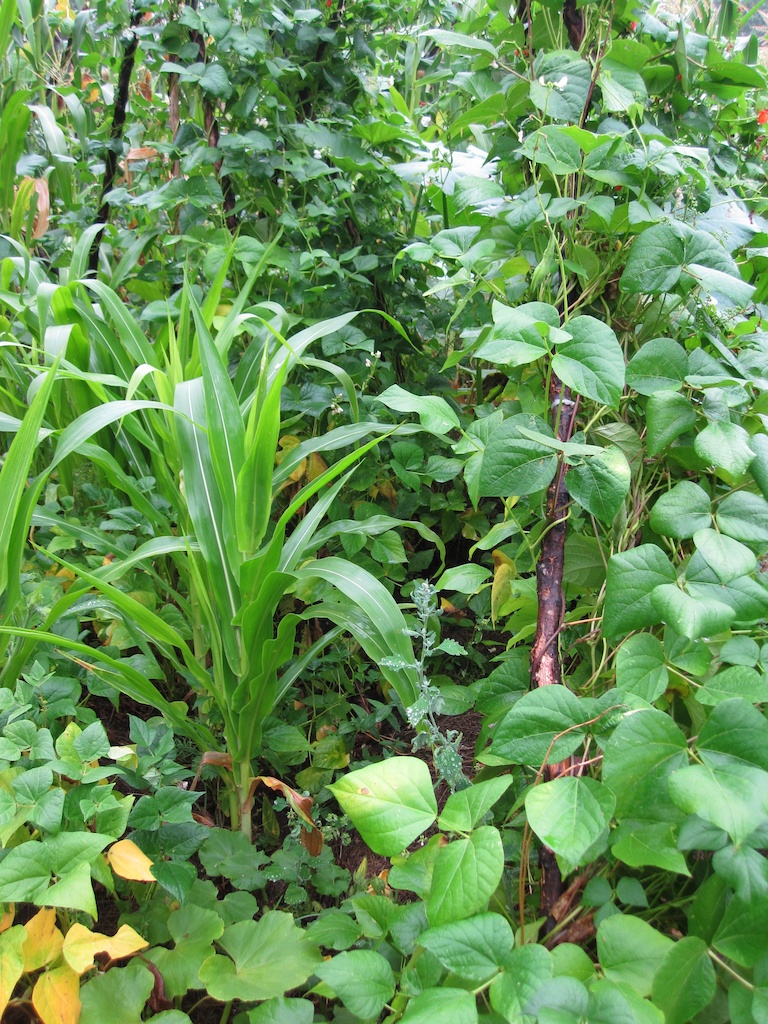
(209,444)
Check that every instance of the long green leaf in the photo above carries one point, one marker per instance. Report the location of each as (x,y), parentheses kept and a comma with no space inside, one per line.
(226,434)
(85,426)
(130,333)
(339,437)
(16,468)
(372,527)
(155,629)
(358,589)
(124,678)
(206,511)
(254,484)
(295,345)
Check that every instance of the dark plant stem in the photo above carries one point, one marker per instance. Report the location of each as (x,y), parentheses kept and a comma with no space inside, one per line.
(212,134)
(115,138)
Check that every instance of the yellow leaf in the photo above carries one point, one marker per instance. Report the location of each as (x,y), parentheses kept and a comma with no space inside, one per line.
(44,940)
(11,963)
(81,945)
(56,996)
(128,861)
(6,919)
(503,573)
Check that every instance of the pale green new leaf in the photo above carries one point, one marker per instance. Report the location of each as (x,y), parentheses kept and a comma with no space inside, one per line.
(391,803)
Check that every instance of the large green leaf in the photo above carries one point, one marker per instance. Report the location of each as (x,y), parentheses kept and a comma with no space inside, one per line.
(464,808)
(743,932)
(641,667)
(685,981)
(631,951)
(648,843)
(434,413)
(668,415)
(474,949)
(546,723)
(560,85)
(689,616)
(600,483)
(666,252)
(592,362)
(611,1002)
(632,578)
(391,803)
(513,464)
(725,446)
(466,874)
(519,333)
(660,365)
(441,1006)
(744,517)
(727,557)
(119,995)
(681,511)
(528,969)
(268,958)
(731,795)
(570,815)
(735,681)
(641,753)
(738,729)
(362,979)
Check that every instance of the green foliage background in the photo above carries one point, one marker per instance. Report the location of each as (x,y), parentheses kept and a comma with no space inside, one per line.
(302,305)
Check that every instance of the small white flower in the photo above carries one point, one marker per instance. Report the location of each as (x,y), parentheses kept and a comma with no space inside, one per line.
(336,409)
(377,354)
(318,154)
(520,136)
(280,183)
(368,364)
(562,83)
(542,82)
(426,121)
(262,122)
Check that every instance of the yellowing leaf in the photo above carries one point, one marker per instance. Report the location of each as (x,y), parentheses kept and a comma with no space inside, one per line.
(11,963)
(503,573)
(6,920)
(81,945)
(141,153)
(56,996)
(128,861)
(44,940)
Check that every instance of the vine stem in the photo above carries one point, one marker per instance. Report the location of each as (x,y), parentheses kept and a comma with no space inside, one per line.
(734,974)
